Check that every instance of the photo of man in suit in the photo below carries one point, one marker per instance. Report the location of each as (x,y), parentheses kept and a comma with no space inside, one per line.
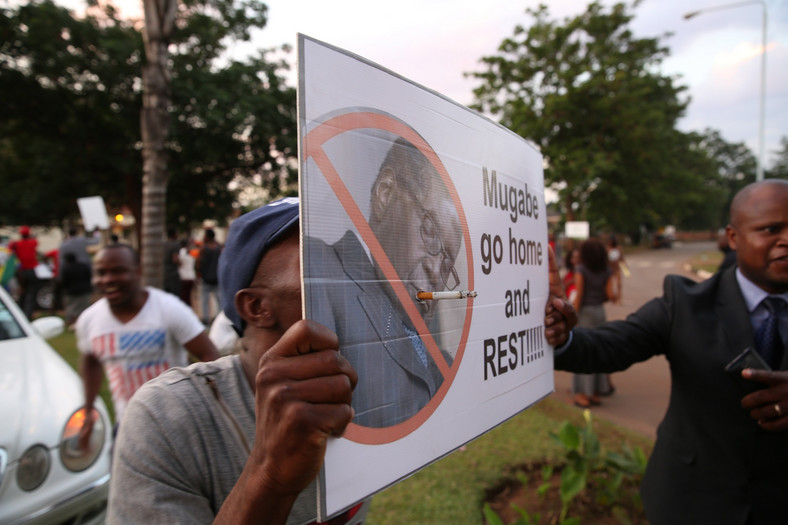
(721,453)
(413,218)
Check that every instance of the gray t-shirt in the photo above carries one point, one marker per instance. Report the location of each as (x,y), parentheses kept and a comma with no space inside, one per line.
(178,454)
(79,247)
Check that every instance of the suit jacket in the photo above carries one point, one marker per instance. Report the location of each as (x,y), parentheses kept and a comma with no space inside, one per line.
(711,462)
(345,294)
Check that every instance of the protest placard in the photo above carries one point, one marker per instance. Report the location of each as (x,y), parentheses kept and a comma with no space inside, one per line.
(407,195)
(577,230)
(94,213)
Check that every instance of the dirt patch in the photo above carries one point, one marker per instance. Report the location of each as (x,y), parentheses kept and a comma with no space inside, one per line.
(524,488)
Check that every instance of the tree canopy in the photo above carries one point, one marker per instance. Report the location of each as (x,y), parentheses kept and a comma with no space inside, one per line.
(70,121)
(779,169)
(592,98)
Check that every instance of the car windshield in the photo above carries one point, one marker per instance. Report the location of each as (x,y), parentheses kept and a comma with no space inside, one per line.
(9,328)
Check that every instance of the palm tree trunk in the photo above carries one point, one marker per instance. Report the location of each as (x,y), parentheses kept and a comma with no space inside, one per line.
(154,123)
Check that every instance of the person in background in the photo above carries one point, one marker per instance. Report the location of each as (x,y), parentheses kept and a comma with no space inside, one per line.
(570,264)
(720,454)
(52,260)
(615,257)
(555,246)
(75,282)
(135,333)
(594,287)
(186,272)
(26,251)
(8,264)
(223,335)
(77,245)
(207,267)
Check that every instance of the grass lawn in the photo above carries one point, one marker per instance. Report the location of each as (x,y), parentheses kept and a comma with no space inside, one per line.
(452,489)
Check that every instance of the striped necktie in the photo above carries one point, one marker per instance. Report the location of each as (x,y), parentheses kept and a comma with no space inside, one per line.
(767,339)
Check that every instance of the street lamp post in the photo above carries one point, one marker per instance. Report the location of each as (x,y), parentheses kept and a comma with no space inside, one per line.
(759,171)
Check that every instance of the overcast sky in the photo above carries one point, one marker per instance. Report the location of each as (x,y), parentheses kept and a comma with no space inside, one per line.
(433,42)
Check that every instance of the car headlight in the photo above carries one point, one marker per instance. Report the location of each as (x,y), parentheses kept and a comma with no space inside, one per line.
(75,458)
(33,467)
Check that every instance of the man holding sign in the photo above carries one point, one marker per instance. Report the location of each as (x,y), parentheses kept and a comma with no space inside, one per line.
(720,454)
(240,439)
(417,227)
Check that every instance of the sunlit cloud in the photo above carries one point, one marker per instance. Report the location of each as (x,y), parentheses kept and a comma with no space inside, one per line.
(744,52)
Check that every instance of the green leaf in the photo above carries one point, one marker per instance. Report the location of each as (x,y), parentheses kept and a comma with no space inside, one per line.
(525,517)
(572,483)
(522,477)
(593,449)
(640,459)
(547,472)
(491,516)
(569,436)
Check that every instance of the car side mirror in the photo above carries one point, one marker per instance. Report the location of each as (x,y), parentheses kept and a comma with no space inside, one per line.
(49,327)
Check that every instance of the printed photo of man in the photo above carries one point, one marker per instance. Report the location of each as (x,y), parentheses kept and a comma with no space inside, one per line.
(413,218)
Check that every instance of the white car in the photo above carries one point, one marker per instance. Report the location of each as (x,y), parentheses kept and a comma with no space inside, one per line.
(45,477)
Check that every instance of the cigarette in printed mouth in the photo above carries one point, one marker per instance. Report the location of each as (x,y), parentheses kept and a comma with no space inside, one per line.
(433,296)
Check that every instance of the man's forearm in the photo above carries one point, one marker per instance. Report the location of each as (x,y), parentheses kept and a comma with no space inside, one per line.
(91,372)
(248,502)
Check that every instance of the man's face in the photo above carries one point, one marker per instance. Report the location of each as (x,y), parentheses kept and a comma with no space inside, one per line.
(116,276)
(759,234)
(280,272)
(277,284)
(422,240)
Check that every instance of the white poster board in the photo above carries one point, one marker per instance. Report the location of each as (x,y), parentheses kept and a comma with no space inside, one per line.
(576,230)
(433,375)
(94,213)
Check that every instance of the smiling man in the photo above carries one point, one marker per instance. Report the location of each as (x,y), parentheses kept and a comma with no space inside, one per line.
(413,218)
(134,332)
(720,454)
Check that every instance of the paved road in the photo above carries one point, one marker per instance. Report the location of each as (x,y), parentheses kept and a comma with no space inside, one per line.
(642,391)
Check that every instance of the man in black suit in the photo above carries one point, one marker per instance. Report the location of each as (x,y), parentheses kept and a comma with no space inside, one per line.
(721,454)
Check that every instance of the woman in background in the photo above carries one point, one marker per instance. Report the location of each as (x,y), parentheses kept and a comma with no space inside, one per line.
(186,271)
(571,263)
(594,287)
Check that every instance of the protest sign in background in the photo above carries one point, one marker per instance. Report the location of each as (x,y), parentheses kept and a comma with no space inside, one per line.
(437,373)
(94,213)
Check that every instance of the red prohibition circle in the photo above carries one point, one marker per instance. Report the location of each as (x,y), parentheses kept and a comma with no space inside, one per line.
(313,147)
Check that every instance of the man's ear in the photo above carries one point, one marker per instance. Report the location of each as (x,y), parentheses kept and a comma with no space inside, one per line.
(730,232)
(383,191)
(253,306)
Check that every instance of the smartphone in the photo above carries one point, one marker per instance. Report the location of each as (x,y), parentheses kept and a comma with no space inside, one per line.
(747,359)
